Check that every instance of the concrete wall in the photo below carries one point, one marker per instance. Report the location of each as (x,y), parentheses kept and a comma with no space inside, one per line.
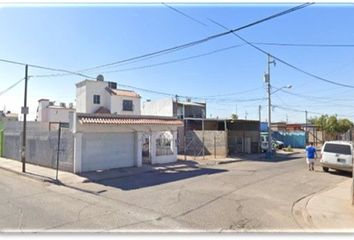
(215,143)
(41,145)
(162,107)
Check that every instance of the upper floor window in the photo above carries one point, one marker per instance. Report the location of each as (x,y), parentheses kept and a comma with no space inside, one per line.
(127,105)
(96,99)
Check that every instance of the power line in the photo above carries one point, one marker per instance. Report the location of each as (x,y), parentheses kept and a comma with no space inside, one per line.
(321,99)
(175,61)
(302,44)
(164,51)
(11,87)
(303,111)
(186,15)
(197,42)
(45,68)
(286,63)
(234,93)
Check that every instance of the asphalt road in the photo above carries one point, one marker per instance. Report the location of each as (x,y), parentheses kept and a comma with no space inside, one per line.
(239,196)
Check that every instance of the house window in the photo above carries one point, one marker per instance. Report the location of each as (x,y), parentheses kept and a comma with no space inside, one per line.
(164,144)
(96,99)
(127,105)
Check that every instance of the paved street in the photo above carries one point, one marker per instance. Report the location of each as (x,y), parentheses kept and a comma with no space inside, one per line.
(237,196)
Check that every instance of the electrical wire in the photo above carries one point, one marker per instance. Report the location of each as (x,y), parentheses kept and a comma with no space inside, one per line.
(185,15)
(311,112)
(46,68)
(231,94)
(286,63)
(302,44)
(197,42)
(164,51)
(175,61)
(11,87)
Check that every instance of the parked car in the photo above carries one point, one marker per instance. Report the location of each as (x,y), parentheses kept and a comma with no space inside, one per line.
(264,143)
(337,155)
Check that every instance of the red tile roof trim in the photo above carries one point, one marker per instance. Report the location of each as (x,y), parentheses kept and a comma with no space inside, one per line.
(129,121)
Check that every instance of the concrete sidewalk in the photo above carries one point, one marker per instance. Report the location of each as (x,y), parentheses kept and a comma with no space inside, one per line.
(39,173)
(329,210)
(45,174)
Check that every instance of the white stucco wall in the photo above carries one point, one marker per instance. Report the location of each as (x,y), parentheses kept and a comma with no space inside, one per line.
(42,113)
(161,107)
(58,114)
(84,96)
(164,158)
(116,105)
(80,100)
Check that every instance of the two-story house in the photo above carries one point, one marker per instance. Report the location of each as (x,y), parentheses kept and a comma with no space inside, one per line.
(110,131)
(104,97)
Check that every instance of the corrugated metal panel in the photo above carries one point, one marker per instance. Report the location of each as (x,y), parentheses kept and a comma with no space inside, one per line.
(294,139)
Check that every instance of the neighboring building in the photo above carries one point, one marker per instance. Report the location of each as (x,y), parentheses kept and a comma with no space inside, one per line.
(172,108)
(104,97)
(219,137)
(292,127)
(278,126)
(8,116)
(47,111)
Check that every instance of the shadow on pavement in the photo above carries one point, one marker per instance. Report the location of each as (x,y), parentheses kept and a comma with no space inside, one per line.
(261,157)
(336,172)
(152,176)
(341,173)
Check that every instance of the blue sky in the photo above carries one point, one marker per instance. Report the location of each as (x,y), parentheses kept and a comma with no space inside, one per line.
(80,36)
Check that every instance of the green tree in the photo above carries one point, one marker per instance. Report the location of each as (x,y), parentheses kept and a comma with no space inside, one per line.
(234,116)
(331,125)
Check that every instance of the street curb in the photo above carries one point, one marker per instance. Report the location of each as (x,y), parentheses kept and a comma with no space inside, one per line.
(300,214)
(37,178)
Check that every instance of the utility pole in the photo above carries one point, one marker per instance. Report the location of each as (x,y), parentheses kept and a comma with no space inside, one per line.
(24,111)
(260,126)
(176,106)
(58,151)
(259,113)
(306,125)
(267,80)
(246,113)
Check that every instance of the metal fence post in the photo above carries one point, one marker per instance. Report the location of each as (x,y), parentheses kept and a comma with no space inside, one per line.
(58,150)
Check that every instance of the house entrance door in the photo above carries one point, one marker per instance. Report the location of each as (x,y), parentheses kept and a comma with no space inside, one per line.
(146,153)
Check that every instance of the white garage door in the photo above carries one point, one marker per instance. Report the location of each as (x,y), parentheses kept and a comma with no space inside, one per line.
(102,151)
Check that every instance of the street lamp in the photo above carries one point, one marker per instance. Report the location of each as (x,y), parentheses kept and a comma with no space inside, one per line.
(278,89)
(267,81)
